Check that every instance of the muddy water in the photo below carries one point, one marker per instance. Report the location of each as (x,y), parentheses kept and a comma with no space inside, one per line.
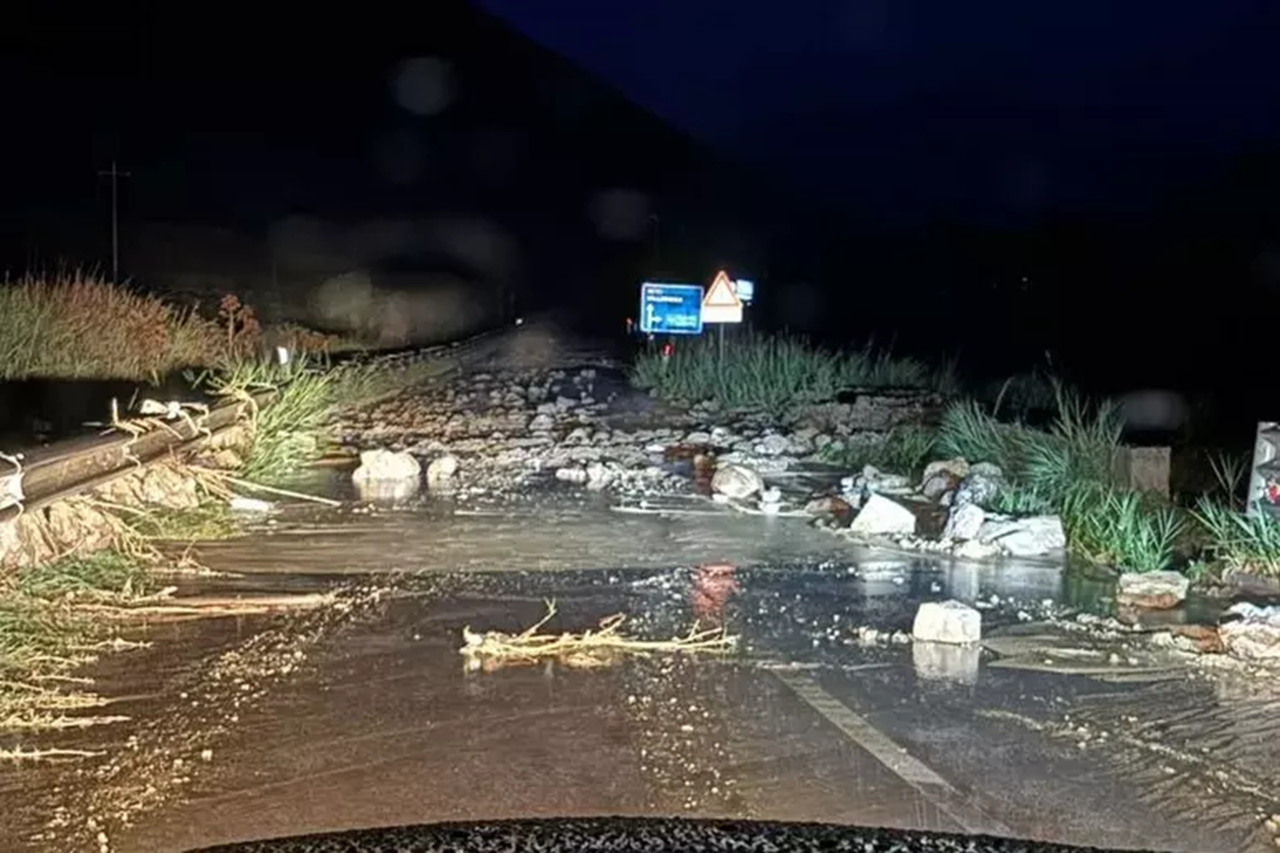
(387,727)
(251,728)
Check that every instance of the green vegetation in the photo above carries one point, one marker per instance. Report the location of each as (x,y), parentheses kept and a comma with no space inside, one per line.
(1239,542)
(772,372)
(902,450)
(1067,469)
(80,326)
(45,633)
(287,435)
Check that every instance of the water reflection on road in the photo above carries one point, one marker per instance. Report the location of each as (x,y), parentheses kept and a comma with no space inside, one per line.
(384,725)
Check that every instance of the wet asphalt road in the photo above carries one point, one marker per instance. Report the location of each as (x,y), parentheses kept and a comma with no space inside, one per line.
(382,724)
(242,728)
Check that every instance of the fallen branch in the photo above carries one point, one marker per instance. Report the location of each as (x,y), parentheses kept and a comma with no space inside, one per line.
(590,648)
(21,754)
(224,477)
(215,606)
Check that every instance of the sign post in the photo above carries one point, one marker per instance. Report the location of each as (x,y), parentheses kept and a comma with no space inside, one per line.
(720,306)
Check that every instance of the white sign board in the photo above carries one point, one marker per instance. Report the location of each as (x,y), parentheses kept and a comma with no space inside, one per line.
(721,304)
(745,290)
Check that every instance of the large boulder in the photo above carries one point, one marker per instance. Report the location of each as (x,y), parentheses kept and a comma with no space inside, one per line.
(736,481)
(952,622)
(881,516)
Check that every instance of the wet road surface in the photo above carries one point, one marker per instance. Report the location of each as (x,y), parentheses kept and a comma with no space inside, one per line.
(241,729)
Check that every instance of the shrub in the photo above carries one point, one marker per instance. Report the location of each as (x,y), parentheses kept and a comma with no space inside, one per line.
(1077,448)
(1240,542)
(1120,527)
(78,326)
(1067,469)
(773,372)
(1021,500)
(901,450)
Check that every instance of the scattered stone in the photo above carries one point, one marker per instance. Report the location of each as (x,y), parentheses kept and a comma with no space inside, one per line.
(943,476)
(829,505)
(1253,632)
(164,486)
(599,476)
(963,522)
(255,505)
(880,516)
(386,475)
(736,481)
(974,549)
(1033,536)
(957,468)
(1152,590)
(441,471)
(981,485)
(773,445)
(951,622)
(571,474)
(386,466)
(874,481)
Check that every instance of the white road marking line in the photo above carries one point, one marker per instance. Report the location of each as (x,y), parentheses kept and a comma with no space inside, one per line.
(906,766)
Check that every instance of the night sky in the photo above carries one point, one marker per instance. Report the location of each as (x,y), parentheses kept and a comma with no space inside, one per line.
(911,106)
(951,176)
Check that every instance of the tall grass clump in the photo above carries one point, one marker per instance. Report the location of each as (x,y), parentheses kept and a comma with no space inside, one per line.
(901,450)
(1077,448)
(1121,528)
(79,326)
(308,393)
(1067,468)
(44,636)
(1240,542)
(770,372)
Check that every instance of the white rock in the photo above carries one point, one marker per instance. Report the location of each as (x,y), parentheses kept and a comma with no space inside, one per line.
(946,662)
(975,550)
(1256,635)
(386,490)
(951,622)
(957,468)
(964,522)
(386,466)
(736,481)
(880,516)
(773,445)
(571,475)
(1152,590)
(242,504)
(598,475)
(1033,536)
(441,470)
(771,496)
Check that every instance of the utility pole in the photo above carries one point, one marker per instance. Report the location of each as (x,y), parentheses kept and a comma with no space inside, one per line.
(115,175)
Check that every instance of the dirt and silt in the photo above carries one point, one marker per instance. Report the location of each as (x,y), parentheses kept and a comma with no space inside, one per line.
(1065,726)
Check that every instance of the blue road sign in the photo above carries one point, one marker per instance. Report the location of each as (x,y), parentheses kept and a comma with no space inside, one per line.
(670,309)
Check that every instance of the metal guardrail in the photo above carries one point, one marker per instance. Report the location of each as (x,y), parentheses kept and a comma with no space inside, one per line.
(60,470)
(47,474)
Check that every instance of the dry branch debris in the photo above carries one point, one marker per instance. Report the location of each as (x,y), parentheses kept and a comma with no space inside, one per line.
(591,648)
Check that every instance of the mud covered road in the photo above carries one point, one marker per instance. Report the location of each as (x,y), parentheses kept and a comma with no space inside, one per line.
(364,713)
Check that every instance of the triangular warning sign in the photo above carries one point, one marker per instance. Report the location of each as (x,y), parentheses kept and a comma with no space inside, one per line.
(720,294)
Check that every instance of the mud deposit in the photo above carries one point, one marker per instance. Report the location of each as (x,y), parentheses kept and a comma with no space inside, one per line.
(365,715)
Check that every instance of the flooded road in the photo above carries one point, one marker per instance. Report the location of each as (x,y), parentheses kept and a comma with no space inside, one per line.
(241,729)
